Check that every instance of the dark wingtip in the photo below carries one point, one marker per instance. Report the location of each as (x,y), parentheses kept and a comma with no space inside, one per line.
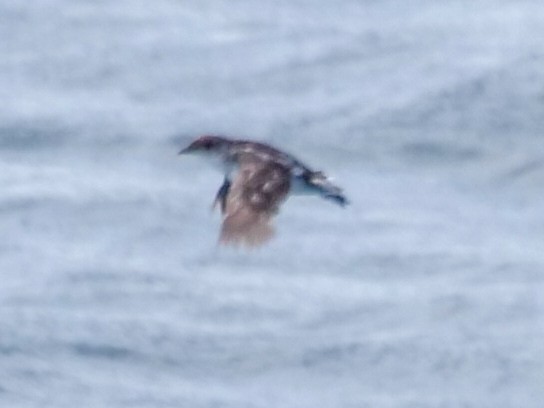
(339,199)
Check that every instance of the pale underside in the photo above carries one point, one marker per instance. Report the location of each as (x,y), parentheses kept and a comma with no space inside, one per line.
(257,190)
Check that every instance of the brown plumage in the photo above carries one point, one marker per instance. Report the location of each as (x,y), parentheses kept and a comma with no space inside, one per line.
(258,179)
(254,198)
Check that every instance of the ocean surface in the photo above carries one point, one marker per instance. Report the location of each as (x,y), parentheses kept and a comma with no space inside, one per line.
(426,292)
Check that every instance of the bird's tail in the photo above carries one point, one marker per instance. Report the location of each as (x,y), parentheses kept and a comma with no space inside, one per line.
(327,189)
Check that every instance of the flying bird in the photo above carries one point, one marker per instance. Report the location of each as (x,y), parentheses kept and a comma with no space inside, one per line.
(258,178)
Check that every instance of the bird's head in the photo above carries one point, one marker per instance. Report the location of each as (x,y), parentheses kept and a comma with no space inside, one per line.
(207,146)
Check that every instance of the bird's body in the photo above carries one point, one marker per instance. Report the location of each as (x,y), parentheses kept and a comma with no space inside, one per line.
(258,179)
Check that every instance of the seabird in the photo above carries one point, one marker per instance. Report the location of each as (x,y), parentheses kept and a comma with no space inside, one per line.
(258,179)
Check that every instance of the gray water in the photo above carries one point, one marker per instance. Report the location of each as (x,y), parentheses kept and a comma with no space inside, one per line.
(425,292)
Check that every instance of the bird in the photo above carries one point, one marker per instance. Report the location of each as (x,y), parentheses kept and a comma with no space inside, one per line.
(258,178)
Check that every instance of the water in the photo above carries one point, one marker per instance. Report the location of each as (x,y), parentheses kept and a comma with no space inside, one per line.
(425,292)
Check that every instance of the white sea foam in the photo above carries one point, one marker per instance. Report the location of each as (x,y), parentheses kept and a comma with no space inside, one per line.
(426,291)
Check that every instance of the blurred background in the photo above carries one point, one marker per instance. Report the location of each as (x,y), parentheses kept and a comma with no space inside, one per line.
(425,292)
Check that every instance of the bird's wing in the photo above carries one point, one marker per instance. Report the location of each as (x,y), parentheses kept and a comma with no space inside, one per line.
(254,197)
